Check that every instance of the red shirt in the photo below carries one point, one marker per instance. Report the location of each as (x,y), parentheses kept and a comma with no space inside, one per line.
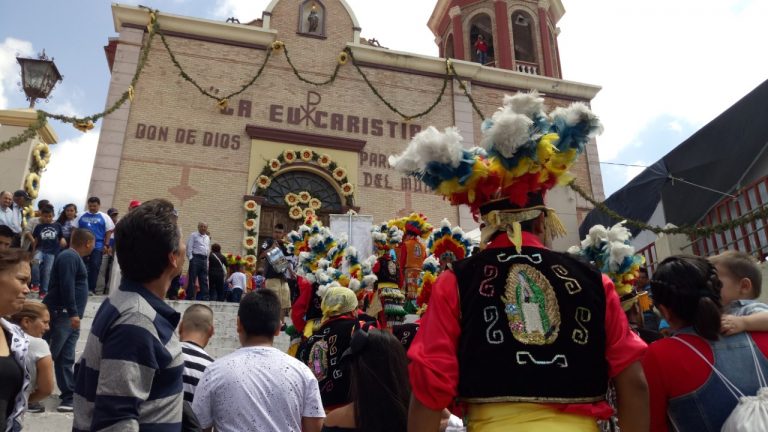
(434,367)
(301,306)
(672,370)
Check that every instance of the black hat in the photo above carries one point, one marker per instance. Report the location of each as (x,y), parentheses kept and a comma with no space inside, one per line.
(112,211)
(21,193)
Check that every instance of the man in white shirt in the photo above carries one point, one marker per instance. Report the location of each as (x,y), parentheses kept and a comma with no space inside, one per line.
(9,216)
(258,387)
(198,248)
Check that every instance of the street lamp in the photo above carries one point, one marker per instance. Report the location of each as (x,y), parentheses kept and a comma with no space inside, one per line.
(38,76)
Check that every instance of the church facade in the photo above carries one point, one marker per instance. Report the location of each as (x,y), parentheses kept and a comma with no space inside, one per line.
(314,130)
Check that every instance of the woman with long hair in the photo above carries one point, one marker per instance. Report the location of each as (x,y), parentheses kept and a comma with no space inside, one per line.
(379,386)
(67,219)
(34,320)
(15,275)
(694,376)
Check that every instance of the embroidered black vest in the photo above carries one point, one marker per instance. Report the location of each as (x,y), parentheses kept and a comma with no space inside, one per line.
(336,336)
(532,328)
(388,271)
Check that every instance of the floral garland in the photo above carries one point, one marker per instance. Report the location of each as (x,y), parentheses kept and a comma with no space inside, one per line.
(296,200)
(251,231)
(338,173)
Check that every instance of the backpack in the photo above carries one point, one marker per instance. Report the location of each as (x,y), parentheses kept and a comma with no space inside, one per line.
(751,412)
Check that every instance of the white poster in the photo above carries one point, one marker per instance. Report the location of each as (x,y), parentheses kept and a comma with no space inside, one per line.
(357,229)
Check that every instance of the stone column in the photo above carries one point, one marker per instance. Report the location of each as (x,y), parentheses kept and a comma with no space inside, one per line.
(544,32)
(113,128)
(464,119)
(503,36)
(458,33)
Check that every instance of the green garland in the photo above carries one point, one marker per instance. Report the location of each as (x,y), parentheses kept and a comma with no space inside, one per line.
(330,80)
(466,91)
(204,92)
(405,117)
(690,230)
(26,135)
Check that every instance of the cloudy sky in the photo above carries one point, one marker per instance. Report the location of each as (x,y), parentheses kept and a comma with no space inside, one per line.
(666,67)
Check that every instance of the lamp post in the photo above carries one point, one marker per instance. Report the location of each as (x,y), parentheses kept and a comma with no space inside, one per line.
(38,77)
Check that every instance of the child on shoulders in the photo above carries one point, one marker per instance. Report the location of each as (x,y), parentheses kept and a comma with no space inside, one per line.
(742,282)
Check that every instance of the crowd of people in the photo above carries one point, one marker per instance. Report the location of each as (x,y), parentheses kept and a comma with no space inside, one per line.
(515,336)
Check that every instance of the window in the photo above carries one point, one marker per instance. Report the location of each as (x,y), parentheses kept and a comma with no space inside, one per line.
(481,39)
(299,181)
(522,36)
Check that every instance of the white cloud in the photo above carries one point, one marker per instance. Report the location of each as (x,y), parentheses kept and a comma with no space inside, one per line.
(656,57)
(67,177)
(10,73)
(675,126)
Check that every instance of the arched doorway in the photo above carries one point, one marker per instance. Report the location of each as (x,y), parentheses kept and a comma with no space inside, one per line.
(275,209)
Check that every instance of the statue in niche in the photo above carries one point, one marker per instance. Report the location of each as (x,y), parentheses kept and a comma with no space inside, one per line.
(313,20)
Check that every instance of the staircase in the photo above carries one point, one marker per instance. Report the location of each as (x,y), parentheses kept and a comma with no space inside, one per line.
(224,339)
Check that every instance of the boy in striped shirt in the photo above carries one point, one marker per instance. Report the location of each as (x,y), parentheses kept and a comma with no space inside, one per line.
(195,330)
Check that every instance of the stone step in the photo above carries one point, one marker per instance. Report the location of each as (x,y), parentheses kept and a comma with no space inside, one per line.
(224,341)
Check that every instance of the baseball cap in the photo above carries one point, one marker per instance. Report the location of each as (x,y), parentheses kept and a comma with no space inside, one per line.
(134,204)
(112,211)
(21,193)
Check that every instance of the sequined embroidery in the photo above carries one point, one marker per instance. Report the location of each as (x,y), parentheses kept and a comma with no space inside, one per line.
(531,306)
(571,284)
(581,334)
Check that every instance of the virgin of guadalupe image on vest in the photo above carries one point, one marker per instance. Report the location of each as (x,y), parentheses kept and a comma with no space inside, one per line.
(527,336)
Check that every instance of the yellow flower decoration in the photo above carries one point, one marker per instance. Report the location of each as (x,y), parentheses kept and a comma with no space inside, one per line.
(295,213)
(41,155)
(250,260)
(277,45)
(250,205)
(84,125)
(306,155)
(347,189)
(304,197)
(249,242)
(343,58)
(289,156)
(32,185)
(315,204)
(308,212)
(222,104)
(250,224)
(274,165)
(263,182)
(292,199)
(339,173)
(324,160)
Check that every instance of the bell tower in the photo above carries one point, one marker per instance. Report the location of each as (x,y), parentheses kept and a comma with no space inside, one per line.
(519,35)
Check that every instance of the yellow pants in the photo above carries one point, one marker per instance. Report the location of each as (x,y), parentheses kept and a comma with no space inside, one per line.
(525,417)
